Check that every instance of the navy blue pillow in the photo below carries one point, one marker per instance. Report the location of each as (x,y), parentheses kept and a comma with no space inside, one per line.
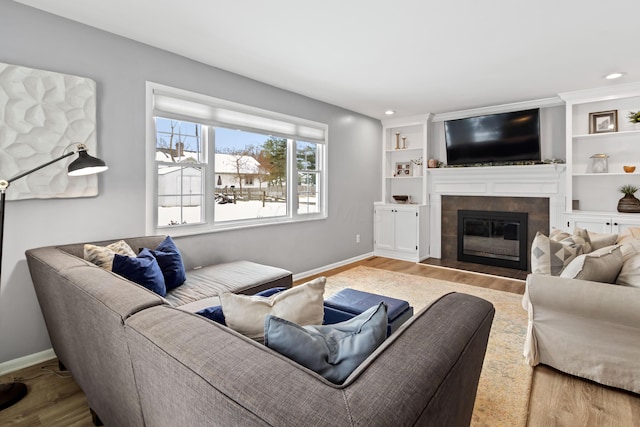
(170,262)
(215,313)
(143,270)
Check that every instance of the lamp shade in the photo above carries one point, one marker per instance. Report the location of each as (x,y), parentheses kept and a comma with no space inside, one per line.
(86,164)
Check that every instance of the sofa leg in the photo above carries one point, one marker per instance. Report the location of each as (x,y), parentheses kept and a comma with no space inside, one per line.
(61,366)
(95,419)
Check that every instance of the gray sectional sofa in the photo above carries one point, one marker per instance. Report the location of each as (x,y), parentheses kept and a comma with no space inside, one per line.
(143,361)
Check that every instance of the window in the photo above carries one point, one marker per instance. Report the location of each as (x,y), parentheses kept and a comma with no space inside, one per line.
(214,164)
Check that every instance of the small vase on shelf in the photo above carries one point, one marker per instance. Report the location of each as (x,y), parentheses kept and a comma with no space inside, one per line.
(629,203)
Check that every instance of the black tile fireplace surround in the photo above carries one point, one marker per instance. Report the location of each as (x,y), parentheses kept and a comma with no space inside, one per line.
(537,209)
(493,238)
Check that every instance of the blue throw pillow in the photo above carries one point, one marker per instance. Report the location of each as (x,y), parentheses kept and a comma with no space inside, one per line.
(170,262)
(333,351)
(215,313)
(143,270)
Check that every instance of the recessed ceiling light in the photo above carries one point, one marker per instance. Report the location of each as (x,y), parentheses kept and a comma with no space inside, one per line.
(613,76)
(389,112)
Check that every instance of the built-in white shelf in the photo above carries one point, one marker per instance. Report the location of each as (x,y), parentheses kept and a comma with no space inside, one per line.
(607,134)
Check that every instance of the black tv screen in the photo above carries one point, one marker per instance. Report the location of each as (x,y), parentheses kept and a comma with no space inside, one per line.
(503,138)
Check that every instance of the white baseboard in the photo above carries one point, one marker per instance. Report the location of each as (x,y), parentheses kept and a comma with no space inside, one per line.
(26,361)
(319,270)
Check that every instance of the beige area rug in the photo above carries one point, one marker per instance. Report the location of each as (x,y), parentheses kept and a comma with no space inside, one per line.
(505,381)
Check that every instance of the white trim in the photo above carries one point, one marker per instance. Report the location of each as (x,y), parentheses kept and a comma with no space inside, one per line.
(26,361)
(504,108)
(601,93)
(319,270)
(406,121)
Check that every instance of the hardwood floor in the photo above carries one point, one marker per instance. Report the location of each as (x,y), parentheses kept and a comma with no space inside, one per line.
(557,399)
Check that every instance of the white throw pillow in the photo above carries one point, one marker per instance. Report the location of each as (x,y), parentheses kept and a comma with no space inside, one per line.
(303,305)
(602,265)
(630,273)
(102,256)
(629,248)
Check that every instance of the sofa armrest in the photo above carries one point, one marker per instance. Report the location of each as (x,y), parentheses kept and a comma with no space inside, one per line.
(191,371)
(615,303)
(583,328)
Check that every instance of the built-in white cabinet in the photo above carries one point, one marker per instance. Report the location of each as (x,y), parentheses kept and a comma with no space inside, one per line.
(591,195)
(401,231)
(602,223)
(401,227)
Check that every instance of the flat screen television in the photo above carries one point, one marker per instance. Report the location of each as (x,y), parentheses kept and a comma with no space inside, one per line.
(504,138)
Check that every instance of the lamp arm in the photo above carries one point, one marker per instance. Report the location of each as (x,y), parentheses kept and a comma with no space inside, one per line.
(5,183)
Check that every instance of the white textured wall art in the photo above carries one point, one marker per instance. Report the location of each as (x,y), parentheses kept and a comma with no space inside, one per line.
(42,114)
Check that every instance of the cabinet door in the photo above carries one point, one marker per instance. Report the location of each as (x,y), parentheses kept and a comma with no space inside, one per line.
(591,223)
(622,225)
(384,228)
(406,231)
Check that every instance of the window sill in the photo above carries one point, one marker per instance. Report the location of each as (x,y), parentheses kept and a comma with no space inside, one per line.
(196,229)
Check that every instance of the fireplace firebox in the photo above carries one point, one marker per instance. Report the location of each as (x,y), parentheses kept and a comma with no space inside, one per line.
(493,238)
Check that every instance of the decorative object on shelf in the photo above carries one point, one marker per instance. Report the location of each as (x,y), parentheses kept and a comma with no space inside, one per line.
(634,119)
(603,121)
(629,169)
(433,163)
(418,162)
(599,163)
(400,198)
(403,169)
(397,140)
(404,142)
(629,203)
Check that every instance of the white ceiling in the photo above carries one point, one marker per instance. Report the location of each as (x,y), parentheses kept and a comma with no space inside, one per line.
(411,56)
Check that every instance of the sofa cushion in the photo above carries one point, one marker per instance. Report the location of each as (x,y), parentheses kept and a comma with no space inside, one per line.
(241,276)
(601,240)
(170,262)
(602,265)
(102,256)
(551,257)
(216,314)
(143,270)
(332,351)
(630,234)
(301,304)
(630,272)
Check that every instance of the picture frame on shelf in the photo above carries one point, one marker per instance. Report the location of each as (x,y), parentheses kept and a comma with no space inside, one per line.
(603,121)
(403,169)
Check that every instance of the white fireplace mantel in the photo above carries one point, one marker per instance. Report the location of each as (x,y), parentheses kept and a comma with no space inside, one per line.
(494,181)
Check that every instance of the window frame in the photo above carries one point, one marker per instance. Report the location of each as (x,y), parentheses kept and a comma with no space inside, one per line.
(192,107)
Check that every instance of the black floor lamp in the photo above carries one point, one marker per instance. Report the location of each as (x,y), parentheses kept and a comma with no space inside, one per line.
(84,165)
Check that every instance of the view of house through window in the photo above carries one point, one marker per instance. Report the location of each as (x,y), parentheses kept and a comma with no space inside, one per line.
(249,173)
(180,159)
(214,164)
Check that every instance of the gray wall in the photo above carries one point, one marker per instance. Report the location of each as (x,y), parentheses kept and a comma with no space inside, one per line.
(120,67)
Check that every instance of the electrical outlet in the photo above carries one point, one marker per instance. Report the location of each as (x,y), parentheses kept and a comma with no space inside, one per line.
(357,238)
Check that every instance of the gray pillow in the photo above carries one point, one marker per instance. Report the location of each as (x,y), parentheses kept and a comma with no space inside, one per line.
(602,265)
(332,351)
